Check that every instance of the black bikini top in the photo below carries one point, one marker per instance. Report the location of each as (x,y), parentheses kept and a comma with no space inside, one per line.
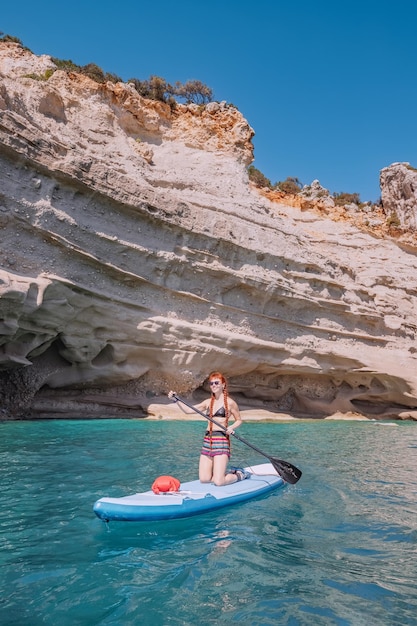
(220,412)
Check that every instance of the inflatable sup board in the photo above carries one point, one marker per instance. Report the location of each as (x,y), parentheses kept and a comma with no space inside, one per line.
(193,498)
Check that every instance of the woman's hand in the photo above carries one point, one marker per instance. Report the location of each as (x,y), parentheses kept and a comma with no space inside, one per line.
(171,395)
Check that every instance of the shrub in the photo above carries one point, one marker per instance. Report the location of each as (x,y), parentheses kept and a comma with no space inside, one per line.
(66,65)
(158,88)
(290,185)
(193,91)
(340,199)
(155,88)
(94,72)
(45,76)
(139,85)
(259,179)
(393,221)
(112,78)
(10,38)
(91,70)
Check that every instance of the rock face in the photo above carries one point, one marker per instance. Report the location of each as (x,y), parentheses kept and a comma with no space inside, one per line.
(399,193)
(136,258)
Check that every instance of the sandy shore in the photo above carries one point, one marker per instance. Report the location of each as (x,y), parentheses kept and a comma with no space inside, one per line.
(172,412)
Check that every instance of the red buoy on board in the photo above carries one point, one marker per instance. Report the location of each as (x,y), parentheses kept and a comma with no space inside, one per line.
(164,484)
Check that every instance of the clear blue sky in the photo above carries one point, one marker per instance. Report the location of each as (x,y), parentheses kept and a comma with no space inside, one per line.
(329,86)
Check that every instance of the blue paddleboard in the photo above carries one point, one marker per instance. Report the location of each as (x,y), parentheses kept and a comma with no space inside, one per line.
(193,498)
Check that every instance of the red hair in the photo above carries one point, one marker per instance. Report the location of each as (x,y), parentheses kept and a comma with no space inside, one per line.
(220,376)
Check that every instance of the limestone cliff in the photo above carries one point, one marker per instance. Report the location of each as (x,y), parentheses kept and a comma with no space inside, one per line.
(136,257)
(399,194)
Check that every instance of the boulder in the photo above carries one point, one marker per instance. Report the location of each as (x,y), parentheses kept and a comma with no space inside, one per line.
(399,194)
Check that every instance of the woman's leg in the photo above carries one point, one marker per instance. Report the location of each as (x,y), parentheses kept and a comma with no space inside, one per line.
(219,471)
(205,470)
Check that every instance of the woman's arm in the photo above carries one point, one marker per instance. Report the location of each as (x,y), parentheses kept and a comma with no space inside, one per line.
(185,408)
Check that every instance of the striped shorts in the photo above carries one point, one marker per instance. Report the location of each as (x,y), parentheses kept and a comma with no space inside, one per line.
(218,443)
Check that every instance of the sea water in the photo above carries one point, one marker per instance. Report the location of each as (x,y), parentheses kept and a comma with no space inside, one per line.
(337,548)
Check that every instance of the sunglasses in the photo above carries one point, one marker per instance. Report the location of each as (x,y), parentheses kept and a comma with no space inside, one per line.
(214,382)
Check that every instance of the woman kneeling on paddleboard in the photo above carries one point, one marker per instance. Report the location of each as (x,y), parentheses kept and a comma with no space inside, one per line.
(215,453)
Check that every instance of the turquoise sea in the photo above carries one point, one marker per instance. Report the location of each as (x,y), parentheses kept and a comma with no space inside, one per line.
(337,548)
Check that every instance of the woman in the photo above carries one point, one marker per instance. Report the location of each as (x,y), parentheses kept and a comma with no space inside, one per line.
(215,452)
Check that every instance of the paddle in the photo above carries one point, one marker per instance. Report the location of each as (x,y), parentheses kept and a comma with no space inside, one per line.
(288,472)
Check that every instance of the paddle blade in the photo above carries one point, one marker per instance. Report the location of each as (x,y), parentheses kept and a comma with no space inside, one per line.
(288,472)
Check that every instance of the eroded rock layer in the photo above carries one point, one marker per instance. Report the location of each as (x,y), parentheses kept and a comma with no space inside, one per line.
(135,257)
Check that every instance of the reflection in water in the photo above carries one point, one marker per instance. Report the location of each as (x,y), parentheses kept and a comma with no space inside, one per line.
(221,542)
